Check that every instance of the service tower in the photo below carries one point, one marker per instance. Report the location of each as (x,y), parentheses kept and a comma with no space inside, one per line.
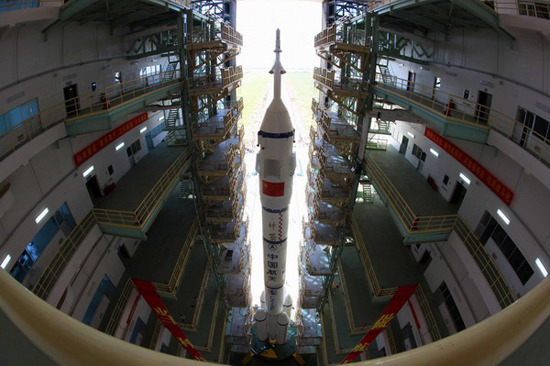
(275,164)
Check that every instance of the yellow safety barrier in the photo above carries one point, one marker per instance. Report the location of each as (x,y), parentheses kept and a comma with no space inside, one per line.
(119,307)
(57,264)
(175,278)
(467,112)
(442,223)
(93,102)
(151,201)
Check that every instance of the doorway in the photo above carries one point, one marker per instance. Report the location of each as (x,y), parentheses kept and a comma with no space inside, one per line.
(403,146)
(410,81)
(72,102)
(458,194)
(93,188)
(483,107)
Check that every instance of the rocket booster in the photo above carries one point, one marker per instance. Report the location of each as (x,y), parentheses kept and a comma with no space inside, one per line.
(275,164)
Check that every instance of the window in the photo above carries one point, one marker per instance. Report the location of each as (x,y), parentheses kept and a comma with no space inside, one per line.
(451,306)
(17,115)
(489,228)
(534,9)
(419,153)
(62,220)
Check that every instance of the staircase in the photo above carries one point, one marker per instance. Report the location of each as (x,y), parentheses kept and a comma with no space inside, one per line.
(186,188)
(368,193)
(170,72)
(387,77)
(171,120)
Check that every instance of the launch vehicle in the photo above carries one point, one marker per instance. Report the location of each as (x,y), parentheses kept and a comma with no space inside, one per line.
(275,164)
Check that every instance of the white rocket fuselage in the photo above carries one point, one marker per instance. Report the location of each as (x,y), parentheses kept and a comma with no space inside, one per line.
(275,164)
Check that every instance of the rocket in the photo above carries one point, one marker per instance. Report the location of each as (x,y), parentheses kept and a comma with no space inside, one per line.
(275,164)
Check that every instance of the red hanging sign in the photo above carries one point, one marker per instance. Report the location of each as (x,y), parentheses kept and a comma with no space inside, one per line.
(494,184)
(96,146)
(147,290)
(398,300)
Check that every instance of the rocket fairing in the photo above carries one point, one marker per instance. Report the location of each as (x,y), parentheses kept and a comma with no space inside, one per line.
(275,164)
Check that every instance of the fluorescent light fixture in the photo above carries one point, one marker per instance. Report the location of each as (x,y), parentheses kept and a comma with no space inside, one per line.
(143,130)
(119,146)
(465,178)
(541,267)
(8,259)
(161,119)
(41,216)
(411,135)
(434,152)
(503,217)
(88,171)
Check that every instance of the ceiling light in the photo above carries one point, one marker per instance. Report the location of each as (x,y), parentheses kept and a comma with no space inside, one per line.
(411,135)
(8,259)
(465,178)
(42,215)
(119,146)
(541,267)
(434,152)
(143,130)
(503,217)
(88,171)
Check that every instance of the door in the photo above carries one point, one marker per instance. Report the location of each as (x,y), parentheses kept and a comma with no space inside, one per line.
(93,188)
(403,147)
(131,158)
(72,102)
(410,81)
(483,107)
(458,194)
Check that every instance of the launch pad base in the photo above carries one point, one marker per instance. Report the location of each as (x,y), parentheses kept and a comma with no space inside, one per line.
(266,351)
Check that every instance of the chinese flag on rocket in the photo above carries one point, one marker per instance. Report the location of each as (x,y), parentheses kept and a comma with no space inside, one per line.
(398,300)
(273,189)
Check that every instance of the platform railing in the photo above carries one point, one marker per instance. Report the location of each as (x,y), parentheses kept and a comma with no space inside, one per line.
(428,314)
(486,263)
(136,218)
(468,112)
(95,102)
(175,278)
(119,307)
(378,292)
(65,252)
(442,223)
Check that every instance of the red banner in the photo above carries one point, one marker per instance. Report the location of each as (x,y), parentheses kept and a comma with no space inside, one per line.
(146,289)
(398,300)
(494,184)
(96,146)
(273,189)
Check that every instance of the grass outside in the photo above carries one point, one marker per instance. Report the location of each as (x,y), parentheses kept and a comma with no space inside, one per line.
(254,91)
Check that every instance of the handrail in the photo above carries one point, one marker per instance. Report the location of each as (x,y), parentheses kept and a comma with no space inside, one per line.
(177,272)
(142,213)
(28,4)
(119,307)
(414,224)
(428,314)
(486,263)
(68,342)
(48,278)
(468,112)
(96,101)
(377,291)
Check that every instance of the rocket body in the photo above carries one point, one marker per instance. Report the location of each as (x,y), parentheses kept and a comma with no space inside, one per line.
(275,164)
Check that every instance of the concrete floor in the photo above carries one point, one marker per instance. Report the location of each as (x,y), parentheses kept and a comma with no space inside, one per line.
(132,188)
